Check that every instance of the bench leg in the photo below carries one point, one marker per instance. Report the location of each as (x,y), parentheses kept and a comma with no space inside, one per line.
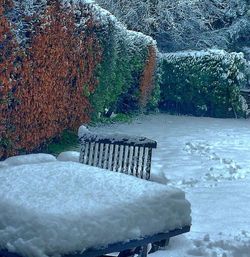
(144,252)
(157,245)
(127,253)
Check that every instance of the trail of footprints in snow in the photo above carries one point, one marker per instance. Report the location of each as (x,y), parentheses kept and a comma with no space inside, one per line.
(238,246)
(224,169)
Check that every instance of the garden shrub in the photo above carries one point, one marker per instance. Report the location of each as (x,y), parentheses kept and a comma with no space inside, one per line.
(8,51)
(67,140)
(203,83)
(61,63)
(147,79)
(55,68)
(126,71)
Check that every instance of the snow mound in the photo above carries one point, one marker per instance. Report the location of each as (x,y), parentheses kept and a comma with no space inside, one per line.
(69,156)
(82,131)
(62,207)
(159,177)
(3,165)
(28,159)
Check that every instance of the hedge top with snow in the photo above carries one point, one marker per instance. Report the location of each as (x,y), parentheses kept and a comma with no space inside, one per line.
(30,7)
(204,82)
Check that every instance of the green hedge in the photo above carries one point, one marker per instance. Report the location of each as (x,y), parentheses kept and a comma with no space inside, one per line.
(124,56)
(203,83)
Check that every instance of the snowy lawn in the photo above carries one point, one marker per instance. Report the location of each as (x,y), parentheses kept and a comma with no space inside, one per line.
(210,160)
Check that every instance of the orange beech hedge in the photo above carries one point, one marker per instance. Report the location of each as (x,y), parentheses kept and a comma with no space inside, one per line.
(8,48)
(146,82)
(52,76)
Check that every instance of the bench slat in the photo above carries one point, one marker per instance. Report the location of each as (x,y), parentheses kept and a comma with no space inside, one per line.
(127,163)
(118,158)
(132,161)
(143,161)
(120,153)
(103,153)
(82,153)
(89,153)
(148,165)
(137,160)
(113,157)
(124,149)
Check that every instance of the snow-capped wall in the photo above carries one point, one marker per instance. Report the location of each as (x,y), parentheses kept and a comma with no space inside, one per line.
(203,82)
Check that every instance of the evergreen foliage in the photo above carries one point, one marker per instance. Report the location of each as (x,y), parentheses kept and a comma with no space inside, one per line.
(124,56)
(205,83)
(62,63)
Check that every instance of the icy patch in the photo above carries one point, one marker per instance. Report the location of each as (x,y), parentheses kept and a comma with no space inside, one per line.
(62,207)
(69,156)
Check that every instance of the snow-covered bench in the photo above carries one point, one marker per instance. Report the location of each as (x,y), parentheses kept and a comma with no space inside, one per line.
(75,210)
(120,153)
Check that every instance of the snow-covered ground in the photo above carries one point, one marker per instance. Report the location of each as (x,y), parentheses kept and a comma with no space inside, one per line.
(207,158)
(210,160)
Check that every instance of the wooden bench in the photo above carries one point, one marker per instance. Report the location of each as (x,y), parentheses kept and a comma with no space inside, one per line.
(120,153)
(130,155)
(125,249)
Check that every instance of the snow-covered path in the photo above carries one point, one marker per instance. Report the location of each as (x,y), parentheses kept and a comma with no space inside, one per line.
(210,160)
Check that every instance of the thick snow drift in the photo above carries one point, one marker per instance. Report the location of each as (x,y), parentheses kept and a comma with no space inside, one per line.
(60,207)
(72,156)
(28,159)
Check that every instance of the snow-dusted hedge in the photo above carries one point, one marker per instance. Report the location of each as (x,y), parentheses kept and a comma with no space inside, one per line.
(203,82)
(125,74)
(248,72)
(121,72)
(63,62)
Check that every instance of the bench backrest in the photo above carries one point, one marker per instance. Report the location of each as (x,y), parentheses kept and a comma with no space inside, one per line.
(120,153)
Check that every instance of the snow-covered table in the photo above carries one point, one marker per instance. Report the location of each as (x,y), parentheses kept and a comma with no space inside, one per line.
(65,207)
